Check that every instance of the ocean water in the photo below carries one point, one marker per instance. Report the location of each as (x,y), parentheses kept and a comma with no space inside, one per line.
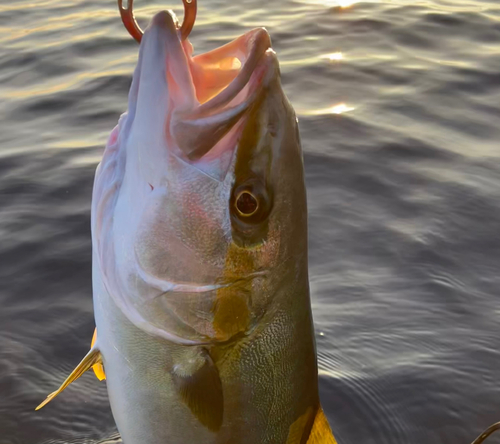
(399,110)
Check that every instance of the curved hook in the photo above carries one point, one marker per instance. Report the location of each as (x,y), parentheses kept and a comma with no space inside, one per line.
(486,433)
(189,18)
(136,32)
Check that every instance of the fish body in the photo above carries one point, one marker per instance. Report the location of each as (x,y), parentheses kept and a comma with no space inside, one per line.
(199,228)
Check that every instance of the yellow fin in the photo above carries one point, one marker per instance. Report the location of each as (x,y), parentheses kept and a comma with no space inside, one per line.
(300,427)
(309,429)
(98,368)
(321,432)
(92,357)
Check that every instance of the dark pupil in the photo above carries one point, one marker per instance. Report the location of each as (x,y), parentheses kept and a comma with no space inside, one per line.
(246,203)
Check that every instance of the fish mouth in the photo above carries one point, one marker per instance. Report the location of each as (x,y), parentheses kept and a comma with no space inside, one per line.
(210,92)
(221,74)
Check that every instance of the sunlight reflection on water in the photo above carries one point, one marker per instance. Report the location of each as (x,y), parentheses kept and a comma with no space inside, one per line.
(339,108)
(341,3)
(335,56)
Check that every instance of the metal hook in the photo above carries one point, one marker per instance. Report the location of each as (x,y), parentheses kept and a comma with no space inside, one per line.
(486,433)
(136,32)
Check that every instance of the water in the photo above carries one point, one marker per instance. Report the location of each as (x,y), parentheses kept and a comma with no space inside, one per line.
(399,107)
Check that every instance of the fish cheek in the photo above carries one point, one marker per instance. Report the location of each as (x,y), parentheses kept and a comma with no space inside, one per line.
(231,313)
(232,307)
(239,307)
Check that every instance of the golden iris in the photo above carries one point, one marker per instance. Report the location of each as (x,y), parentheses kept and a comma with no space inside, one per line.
(246,204)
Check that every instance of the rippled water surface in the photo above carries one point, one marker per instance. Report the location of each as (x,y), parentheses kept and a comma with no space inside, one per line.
(399,108)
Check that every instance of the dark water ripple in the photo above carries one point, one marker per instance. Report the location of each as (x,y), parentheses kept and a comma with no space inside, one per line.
(401,136)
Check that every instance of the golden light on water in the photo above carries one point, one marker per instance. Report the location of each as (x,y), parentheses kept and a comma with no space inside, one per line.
(341,108)
(346,3)
(343,3)
(334,56)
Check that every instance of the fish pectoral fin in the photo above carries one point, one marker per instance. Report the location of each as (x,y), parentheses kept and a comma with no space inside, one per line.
(98,368)
(301,427)
(93,357)
(311,429)
(198,383)
(321,433)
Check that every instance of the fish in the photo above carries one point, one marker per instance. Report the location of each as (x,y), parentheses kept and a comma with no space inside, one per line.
(204,331)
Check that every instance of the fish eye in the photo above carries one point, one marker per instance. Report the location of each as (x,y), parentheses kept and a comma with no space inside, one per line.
(250,205)
(246,204)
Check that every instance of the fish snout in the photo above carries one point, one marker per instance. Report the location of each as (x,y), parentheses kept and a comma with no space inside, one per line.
(165,20)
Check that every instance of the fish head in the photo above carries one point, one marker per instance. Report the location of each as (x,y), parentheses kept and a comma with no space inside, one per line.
(199,207)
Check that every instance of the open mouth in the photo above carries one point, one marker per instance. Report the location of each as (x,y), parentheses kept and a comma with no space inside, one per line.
(225,82)
(208,93)
(221,74)
(226,70)
(230,65)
